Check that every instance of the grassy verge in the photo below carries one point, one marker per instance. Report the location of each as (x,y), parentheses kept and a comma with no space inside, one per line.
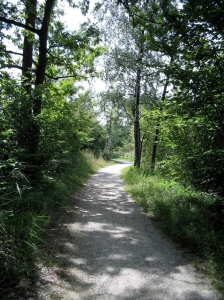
(25,214)
(193,219)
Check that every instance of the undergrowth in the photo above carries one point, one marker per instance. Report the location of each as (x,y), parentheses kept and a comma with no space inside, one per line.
(192,218)
(25,212)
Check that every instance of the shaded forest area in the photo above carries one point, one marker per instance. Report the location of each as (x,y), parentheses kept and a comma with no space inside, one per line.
(162,65)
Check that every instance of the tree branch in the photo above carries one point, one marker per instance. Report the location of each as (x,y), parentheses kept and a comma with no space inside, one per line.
(12,22)
(12,52)
(17,53)
(64,77)
(11,67)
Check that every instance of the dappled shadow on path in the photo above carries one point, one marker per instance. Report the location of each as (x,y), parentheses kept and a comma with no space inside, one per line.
(109,249)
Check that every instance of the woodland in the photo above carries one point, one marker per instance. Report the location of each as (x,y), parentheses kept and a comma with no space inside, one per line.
(162,64)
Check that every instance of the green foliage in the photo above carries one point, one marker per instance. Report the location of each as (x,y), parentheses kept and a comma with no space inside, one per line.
(189,129)
(125,152)
(26,204)
(195,150)
(59,133)
(116,128)
(193,219)
(150,123)
(43,126)
(193,125)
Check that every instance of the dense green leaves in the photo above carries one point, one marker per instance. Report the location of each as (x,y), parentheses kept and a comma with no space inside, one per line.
(197,103)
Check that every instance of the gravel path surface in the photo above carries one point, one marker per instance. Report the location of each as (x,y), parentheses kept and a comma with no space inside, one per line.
(110,250)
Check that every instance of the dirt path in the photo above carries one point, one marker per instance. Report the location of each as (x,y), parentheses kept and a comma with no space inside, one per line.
(110,250)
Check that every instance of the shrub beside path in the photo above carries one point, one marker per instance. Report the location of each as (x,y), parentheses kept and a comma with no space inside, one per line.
(108,249)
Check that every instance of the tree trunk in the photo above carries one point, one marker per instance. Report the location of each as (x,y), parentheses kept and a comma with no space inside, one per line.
(42,59)
(137,133)
(28,46)
(25,127)
(39,80)
(154,148)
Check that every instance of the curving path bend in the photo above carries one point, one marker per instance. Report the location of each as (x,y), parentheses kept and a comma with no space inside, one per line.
(110,250)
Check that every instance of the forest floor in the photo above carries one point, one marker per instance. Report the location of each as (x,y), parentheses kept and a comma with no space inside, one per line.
(104,247)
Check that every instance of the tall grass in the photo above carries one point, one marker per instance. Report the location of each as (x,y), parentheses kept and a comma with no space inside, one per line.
(192,218)
(96,163)
(25,213)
